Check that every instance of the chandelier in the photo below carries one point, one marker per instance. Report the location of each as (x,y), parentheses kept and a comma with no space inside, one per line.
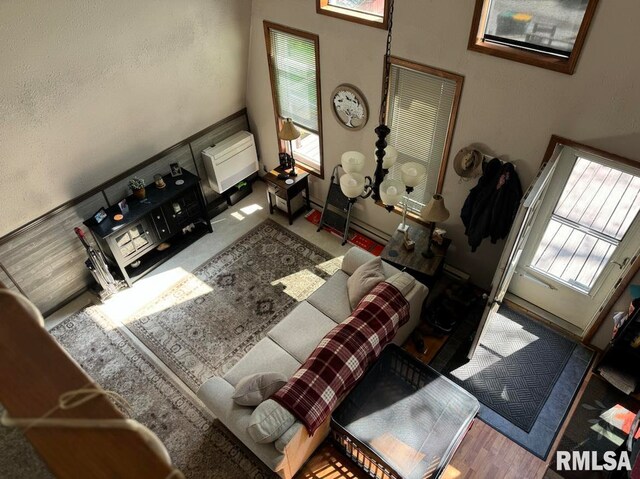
(354,184)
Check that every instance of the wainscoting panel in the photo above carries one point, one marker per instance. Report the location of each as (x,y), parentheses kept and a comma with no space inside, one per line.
(47,260)
(4,279)
(210,139)
(180,155)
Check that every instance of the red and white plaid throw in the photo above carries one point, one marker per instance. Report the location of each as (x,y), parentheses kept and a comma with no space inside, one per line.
(343,356)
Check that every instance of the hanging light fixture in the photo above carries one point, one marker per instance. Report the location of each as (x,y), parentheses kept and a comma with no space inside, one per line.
(390,191)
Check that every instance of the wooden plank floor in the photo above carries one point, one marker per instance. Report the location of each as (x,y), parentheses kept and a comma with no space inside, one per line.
(484,453)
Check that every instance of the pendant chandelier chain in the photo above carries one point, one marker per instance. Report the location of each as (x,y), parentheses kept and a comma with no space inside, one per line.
(387,67)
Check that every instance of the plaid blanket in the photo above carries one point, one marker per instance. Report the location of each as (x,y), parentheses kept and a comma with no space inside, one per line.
(343,356)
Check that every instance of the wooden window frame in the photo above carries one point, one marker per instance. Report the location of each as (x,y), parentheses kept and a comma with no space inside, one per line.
(282,147)
(323,8)
(542,60)
(459,80)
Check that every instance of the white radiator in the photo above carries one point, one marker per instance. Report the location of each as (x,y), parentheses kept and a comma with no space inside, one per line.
(230,161)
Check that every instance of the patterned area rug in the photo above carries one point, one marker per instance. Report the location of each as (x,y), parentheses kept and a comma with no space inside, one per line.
(204,324)
(198,445)
(515,366)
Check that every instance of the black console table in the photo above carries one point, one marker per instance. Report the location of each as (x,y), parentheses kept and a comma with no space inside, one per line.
(175,214)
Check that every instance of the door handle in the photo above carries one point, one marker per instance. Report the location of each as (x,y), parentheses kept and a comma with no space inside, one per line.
(622,265)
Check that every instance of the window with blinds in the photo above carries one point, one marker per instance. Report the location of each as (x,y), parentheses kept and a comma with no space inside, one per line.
(422,107)
(293,64)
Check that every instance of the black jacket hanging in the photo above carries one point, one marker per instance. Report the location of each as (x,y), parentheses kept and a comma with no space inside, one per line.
(491,206)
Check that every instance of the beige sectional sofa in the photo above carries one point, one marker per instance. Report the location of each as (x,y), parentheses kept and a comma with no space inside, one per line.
(284,349)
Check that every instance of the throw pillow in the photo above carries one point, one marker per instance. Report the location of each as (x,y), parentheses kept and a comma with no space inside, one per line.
(253,389)
(363,280)
(269,421)
(403,281)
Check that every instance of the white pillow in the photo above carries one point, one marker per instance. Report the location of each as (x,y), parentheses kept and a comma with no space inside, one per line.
(253,389)
(403,281)
(363,280)
(269,421)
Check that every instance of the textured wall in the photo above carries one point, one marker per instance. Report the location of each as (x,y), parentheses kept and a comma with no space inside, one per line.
(89,89)
(509,108)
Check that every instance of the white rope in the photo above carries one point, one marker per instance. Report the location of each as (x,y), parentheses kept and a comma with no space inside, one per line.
(78,397)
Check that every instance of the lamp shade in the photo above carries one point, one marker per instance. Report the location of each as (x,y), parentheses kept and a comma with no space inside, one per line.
(391,191)
(288,130)
(435,211)
(412,174)
(353,162)
(390,157)
(352,184)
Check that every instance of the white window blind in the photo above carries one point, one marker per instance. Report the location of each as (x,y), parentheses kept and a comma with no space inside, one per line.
(294,62)
(420,108)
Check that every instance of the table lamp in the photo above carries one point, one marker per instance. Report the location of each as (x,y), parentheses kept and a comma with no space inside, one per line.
(433,212)
(289,132)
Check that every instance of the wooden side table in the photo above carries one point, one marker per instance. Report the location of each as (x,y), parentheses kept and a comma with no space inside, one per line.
(279,188)
(426,270)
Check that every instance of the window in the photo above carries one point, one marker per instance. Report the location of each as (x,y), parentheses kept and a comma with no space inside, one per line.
(294,68)
(374,13)
(421,114)
(547,34)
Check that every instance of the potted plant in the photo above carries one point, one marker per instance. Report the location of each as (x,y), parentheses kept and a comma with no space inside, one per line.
(137,187)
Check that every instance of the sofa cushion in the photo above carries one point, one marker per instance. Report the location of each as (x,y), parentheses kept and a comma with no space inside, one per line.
(332,299)
(403,281)
(301,331)
(364,279)
(266,356)
(255,388)
(269,421)
(283,440)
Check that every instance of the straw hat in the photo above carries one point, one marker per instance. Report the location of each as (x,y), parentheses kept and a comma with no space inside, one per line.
(468,163)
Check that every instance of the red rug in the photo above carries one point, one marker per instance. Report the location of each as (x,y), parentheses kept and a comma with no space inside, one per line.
(355,239)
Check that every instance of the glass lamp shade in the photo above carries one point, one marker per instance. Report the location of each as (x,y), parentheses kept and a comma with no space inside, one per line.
(390,157)
(391,192)
(353,162)
(412,174)
(352,184)
(435,211)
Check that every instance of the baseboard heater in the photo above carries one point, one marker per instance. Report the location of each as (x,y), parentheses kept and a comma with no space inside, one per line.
(230,161)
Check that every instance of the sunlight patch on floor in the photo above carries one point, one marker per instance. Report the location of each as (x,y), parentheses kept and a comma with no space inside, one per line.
(331,266)
(248,210)
(300,285)
(125,303)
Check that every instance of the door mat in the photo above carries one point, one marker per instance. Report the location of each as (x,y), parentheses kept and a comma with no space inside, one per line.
(523,373)
(600,423)
(355,239)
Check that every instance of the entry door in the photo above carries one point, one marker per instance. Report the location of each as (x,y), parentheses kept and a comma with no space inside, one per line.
(515,244)
(584,238)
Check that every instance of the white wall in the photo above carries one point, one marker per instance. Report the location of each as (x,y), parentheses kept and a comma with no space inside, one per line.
(89,89)
(509,109)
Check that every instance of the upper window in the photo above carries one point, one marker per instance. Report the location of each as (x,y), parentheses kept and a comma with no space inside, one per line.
(294,66)
(368,12)
(421,114)
(548,34)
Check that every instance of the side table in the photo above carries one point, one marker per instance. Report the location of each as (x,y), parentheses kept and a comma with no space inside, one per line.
(278,188)
(424,269)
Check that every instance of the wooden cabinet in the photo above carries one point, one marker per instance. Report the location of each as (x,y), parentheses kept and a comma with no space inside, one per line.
(175,215)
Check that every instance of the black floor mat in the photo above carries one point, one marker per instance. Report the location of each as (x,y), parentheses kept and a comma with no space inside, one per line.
(515,366)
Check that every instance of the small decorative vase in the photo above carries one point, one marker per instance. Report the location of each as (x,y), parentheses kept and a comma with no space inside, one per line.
(140,193)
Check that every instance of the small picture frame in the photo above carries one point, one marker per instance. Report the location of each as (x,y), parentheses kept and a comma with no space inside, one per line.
(100,215)
(175,169)
(124,207)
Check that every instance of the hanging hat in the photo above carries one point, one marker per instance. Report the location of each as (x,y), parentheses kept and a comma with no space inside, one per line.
(468,163)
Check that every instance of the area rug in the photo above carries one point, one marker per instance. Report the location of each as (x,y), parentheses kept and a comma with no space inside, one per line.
(204,324)
(355,238)
(198,444)
(524,374)
(601,423)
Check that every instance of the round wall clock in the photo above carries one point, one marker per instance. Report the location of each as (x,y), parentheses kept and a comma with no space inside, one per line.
(350,107)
